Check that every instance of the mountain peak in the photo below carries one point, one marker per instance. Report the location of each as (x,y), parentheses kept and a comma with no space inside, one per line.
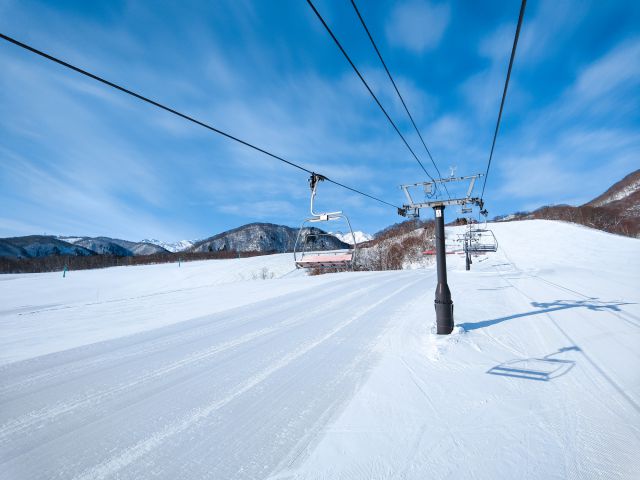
(174,247)
(622,195)
(260,237)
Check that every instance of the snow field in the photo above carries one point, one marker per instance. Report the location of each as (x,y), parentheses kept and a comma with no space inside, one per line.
(44,313)
(202,372)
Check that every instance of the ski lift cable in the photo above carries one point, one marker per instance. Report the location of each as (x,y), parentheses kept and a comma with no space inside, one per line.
(364,82)
(504,92)
(386,69)
(182,115)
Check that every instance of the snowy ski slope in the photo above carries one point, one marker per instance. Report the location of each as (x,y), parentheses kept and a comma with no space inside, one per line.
(209,371)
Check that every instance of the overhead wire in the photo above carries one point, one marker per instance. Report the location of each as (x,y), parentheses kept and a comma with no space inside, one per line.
(504,93)
(184,116)
(364,82)
(404,104)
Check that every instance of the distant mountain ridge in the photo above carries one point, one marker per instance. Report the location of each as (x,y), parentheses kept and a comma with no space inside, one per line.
(616,211)
(35,246)
(115,246)
(263,237)
(251,238)
(622,196)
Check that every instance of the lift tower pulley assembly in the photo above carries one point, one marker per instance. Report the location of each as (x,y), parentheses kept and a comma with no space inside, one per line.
(443,303)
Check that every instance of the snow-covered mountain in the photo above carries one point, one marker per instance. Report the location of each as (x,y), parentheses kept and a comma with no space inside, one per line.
(347,238)
(263,237)
(626,189)
(616,211)
(103,246)
(35,246)
(39,246)
(179,246)
(622,196)
(254,237)
(115,246)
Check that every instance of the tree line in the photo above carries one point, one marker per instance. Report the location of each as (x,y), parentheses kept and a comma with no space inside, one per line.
(57,263)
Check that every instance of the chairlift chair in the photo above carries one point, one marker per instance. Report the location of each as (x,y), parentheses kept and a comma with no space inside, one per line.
(480,240)
(306,252)
(466,208)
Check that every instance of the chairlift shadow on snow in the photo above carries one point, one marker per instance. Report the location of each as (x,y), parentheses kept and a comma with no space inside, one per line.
(549,307)
(540,369)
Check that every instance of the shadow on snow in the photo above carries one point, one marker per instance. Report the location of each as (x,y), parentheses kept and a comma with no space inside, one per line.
(539,369)
(549,307)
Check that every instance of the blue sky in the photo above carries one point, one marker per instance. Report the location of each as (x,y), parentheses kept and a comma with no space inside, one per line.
(79,158)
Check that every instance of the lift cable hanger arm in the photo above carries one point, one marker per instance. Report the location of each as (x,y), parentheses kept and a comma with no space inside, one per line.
(414,206)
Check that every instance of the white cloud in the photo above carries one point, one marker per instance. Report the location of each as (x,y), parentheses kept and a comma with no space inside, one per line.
(618,68)
(265,209)
(417,26)
(535,176)
(14,227)
(572,149)
(497,45)
(566,147)
(571,166)
(131,154)
(603,92)
(64,206)
(448,135)
(547,25)
(546,29)
(483,90)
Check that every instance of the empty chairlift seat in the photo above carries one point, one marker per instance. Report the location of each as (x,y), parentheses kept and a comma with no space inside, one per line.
(480,240)
(325,260)
(316,248)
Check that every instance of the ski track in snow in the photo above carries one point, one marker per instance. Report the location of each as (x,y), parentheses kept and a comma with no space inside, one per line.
(75,390)
(134,452)
(211,324)
(450,419)
(49,412)
(338,376)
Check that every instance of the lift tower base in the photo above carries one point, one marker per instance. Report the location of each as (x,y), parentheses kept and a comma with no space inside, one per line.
(443,303)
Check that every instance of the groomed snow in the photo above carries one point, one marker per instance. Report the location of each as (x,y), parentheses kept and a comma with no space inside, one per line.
(45,313)
(210,371)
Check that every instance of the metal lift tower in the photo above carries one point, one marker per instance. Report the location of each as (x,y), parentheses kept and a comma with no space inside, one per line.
(443,302)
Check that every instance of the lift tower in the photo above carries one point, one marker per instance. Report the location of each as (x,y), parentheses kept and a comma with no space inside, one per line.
(443,302)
